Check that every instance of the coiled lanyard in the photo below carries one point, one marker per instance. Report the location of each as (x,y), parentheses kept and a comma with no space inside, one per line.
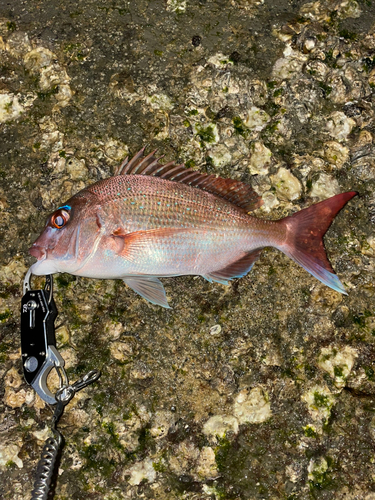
(39,357)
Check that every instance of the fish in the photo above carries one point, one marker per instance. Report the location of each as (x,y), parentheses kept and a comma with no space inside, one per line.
(152,220)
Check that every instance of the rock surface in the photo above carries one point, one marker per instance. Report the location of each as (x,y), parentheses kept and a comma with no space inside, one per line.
(261,390)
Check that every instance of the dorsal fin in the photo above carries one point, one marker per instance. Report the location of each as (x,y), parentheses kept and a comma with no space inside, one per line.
(238,193)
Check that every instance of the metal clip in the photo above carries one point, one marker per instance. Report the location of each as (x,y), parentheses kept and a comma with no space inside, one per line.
(66,393)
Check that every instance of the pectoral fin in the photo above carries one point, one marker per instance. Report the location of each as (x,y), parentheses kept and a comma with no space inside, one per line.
(150,288)
(129,245)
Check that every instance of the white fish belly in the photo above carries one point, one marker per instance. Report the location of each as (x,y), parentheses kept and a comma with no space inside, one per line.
(194,252)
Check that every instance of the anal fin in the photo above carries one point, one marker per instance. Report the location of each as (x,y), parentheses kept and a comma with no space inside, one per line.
(149,287)
(236,269)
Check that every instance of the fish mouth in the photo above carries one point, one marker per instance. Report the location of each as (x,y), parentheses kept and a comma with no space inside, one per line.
(38,252)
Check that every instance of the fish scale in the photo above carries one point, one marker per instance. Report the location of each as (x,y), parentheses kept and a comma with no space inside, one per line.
(161,198)
(157,220)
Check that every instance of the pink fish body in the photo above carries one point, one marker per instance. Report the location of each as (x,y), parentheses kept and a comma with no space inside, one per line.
(155,220)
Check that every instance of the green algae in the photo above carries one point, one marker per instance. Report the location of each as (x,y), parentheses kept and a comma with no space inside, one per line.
(222,453)
(360,319)
(94,460)
(330,59)
(110,429)
(310,432)
(370,373)
(75,51)
(278,92)
(63,280)
(348,35)
(101,401)
(206,134)
(145,439)
(368,64)
(160,466)
(4,349)
(270,129)
(76,321)
(11,26)
(326,88)
(4,316)
(338,371)
(321,400)
(46,95)
(272,109)
(272,84)
(323,477)
(190,164)
(239,127)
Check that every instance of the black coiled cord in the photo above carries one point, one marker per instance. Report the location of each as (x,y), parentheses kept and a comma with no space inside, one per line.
(46,466)
(47,463)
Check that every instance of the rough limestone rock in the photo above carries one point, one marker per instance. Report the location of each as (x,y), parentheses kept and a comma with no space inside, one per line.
(263,389)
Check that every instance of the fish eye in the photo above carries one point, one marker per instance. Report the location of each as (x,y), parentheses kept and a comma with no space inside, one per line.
(60,218)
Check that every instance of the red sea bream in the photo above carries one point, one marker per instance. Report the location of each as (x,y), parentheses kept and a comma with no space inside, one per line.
(152,220)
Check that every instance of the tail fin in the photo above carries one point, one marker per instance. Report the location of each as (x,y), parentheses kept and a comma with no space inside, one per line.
(304,240)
